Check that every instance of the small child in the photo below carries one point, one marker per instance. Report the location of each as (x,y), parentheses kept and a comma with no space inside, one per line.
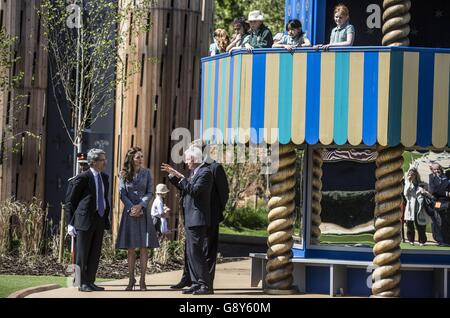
(344,33)
(295,37)
(221,41)
(240,32)
(160,211)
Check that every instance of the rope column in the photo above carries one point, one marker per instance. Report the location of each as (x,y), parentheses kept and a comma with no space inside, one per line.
(281,224)
(387,237)
(316,196)
(396,20)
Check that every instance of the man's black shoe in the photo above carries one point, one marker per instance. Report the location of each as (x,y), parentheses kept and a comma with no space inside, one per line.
(203,291)
(181,285)
(96,288)
(191,290)
(85,288)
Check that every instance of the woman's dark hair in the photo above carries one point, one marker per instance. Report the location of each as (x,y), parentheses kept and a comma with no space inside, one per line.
(295,24)
(416,173)
(128,166)
(241,21)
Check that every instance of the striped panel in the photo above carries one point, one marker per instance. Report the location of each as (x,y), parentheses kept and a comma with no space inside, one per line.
(218,136)
(312,100)
(226,97)
(409,98)
(237,97)
(395,98)
(299,98)
(205,105)
(216,100)
(258,93)
(229,119)
(327,92)
(271,99)
(210,106)
(202,100)
(425,99)
(355,98)
(285,97)
(383,97)
(441,100)
(341,86)
(370,100)
(246,99)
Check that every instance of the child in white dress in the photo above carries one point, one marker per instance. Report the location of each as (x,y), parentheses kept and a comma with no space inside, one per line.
(160,211)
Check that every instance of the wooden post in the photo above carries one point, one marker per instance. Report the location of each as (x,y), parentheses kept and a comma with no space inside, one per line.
(61,235)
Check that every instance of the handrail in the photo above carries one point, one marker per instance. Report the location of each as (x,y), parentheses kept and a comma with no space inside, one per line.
(332,49)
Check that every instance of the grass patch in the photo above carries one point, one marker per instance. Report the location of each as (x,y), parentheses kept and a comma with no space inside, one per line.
(12,283)
(243,231)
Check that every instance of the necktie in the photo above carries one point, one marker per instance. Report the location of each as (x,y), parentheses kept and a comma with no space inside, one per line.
(100,202)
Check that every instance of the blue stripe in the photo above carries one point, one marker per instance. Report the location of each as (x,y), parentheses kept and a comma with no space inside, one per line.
(209,101)
(395,99)
(216,96)
(341,87)
(230,100)
(425,107)
(312,98)
(202,100)
(285,97)
(238,92)
(258,94)
(223,99)
(370,100)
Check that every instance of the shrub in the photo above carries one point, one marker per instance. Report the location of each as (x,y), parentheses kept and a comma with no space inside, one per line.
(21,227)
(247,217)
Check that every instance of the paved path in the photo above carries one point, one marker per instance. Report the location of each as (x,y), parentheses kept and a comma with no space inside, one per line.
(232,281)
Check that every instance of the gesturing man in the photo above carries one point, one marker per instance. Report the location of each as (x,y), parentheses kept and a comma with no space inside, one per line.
(197,208)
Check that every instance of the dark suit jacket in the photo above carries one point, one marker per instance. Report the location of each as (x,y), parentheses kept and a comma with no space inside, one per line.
(219,193)
(81,204)
(196,194)
(438,186)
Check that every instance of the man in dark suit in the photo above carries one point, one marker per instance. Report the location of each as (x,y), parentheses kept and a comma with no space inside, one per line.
(219,198)
(197,217)
(87,215)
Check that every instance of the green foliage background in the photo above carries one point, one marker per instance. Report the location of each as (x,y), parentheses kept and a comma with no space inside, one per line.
(226,10)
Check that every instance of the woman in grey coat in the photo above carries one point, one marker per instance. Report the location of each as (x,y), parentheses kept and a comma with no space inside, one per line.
(136,227)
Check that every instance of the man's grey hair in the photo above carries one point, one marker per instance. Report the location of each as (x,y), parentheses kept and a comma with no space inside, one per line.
(194,152)
(93,155)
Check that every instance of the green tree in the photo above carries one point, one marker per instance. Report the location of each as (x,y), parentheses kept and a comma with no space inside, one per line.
(87,41)
(226,10)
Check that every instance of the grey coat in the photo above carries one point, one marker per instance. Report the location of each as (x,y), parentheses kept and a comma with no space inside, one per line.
(137,232)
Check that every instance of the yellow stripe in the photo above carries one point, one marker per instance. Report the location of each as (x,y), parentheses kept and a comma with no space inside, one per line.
(235,85)
(271,98)
(355,98)
(246,98)
(299,98)
(205,100)
(383,97)
(327,98)
(220,92)
(441,99)
(227,100)
(410,98)
(211,108)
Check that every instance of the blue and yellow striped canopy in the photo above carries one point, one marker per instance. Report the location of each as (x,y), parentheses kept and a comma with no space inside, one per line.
(356,96)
